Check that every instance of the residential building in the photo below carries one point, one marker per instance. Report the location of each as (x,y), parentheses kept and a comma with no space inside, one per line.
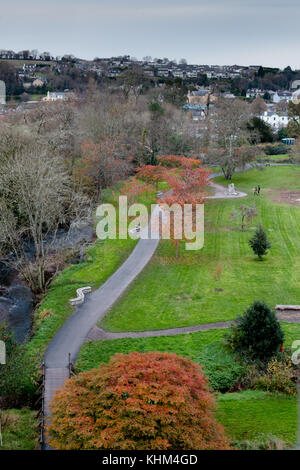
(275,120)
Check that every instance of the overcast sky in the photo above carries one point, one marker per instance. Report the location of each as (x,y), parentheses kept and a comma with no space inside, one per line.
(245,32)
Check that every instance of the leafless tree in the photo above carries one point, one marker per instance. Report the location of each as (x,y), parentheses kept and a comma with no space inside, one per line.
(229,146)
(36,198)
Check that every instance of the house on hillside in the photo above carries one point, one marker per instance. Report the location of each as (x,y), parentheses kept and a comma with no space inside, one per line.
(38,82)
(282,96)
(58,95)
(200,97)
(275,120)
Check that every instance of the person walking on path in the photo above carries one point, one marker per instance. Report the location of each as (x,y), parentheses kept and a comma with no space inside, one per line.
(258,189)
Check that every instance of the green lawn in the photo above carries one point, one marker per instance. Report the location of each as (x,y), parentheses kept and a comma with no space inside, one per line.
(285,156)
(19,430)
(252,415)
(172,294)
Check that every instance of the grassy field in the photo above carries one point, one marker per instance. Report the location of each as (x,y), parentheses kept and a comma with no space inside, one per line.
(174,293)
(254,415)
(19,430)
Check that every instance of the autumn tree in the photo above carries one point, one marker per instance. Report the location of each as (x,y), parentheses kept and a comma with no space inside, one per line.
(134,188)
(152,174)
(187,188)
(176,161)
(138,401)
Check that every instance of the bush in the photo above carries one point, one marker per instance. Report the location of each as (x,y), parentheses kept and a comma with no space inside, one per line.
(280,149)
(256,335)
(263,442)
(222,370)
(137,401)
(17,387)
(280,376)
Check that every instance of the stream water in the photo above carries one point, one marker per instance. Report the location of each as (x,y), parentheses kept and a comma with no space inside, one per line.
(16,299)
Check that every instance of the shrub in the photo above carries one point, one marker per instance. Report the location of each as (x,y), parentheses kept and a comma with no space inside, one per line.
(256,335)
(259,242)
(279,149)
(280,376)
(17,387)
(220,367)
(137,401)
(263,442)
(177,161)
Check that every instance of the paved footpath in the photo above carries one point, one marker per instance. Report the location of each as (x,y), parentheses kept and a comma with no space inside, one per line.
(97,333)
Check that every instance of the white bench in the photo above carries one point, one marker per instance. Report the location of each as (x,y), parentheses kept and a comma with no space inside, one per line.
(287,307)
(80,295)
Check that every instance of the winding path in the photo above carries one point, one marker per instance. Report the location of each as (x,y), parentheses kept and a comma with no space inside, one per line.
(97,333)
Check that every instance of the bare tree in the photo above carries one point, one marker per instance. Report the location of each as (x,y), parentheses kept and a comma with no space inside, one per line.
(36,198)
(229,145)
(258,106)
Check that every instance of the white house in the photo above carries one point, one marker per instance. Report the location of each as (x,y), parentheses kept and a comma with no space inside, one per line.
(282,96)
(275,120)
(57,95)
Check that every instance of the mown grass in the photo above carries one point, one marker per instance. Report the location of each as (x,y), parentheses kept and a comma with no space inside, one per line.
(19,430)
(95,352)
(170,293)
(253,415)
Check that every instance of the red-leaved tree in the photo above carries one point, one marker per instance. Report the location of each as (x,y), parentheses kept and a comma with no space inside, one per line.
(177,161)
(137,401)
(151,174)
(187,188)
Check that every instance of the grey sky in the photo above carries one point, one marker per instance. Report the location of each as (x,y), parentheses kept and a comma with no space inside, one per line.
(246,32)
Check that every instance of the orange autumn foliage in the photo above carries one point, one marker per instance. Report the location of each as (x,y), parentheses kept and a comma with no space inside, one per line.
(187,186)
(137,401)
(133,189)
(151,174)
(177,161)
